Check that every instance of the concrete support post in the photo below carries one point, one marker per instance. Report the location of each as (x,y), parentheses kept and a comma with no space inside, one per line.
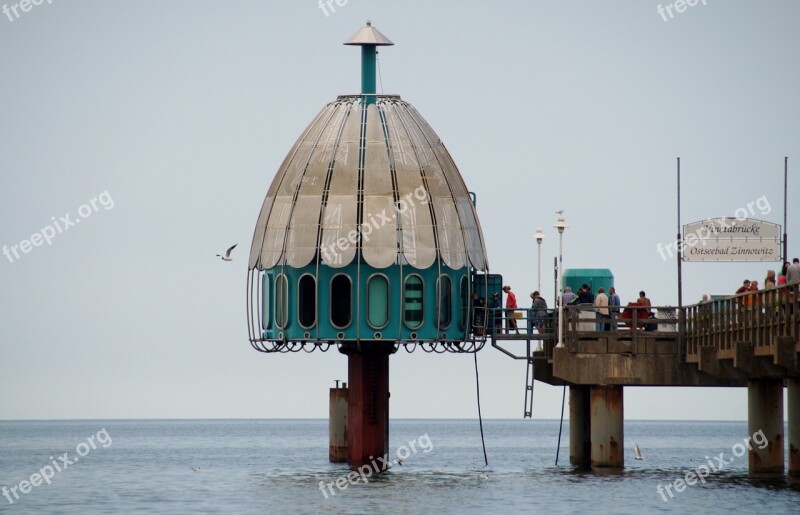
(580,443)
(608,443)
(765,415)
(337,425)
(368,405)
(794,427)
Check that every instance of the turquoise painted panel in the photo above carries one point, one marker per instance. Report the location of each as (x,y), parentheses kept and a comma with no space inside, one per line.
(388,324)
(594,277)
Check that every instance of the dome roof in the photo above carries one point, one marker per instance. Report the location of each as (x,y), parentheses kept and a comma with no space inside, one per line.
(368,180)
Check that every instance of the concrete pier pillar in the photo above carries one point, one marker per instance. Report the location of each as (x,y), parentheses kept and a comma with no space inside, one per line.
(580,443)
(368,404)
(608,444)
(794,427)
(765,425)
(337,424)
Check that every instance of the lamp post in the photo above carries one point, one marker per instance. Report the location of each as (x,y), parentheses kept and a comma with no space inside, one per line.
(560,225)
(539,237)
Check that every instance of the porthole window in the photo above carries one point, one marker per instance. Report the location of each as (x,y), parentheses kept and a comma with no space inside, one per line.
(341,301)
(265,302)
(378,301)
(281,301)
(307,301)
(444,301)
(413,301)
(463,313)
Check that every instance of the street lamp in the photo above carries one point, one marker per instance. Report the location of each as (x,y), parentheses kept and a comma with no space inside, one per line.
(539,237)
(560,225)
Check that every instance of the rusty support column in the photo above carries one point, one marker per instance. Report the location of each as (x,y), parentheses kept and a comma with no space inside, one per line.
(794,427)
(337,424)
(368,403)
(580,443)
(608,444)
(765,415)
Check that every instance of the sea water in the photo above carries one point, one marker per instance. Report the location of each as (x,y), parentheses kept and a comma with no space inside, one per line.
(281,466)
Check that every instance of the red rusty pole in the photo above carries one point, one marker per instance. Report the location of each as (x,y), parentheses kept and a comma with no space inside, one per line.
(368,404)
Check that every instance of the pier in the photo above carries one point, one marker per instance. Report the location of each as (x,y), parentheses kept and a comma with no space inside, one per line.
(749,341)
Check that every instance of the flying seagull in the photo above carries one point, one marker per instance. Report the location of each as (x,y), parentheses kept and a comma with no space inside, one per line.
(637,451)
(227,256)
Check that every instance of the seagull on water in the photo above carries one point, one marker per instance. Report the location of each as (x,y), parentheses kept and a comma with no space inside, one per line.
(637,451)
(483,477)
(227,256)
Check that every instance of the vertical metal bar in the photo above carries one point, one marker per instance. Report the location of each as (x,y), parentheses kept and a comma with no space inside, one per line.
(681,314)
(785,231)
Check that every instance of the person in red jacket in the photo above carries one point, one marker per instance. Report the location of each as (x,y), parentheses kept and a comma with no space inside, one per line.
(511,303)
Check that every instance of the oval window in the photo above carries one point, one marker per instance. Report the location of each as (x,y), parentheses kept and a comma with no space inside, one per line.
(307,301)
(444,301)
(281,301)
(378,301)
(413,301)
(341,301)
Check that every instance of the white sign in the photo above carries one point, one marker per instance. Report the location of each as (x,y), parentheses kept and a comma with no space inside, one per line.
(731,239)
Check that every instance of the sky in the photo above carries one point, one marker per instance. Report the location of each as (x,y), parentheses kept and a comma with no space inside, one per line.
(138,139)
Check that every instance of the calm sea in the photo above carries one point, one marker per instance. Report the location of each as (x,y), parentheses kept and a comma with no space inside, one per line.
(276,466)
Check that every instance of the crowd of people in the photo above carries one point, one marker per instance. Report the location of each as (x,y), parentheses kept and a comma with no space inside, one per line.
(606,305)
(539,317)
(790,274)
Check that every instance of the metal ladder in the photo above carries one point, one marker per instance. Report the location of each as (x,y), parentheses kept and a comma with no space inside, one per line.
(529,379)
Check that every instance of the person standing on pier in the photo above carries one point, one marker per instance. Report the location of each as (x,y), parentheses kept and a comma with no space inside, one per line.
(647,313)
(538,312)
(793,272)
(782,275)
(511,304)
(645,302)
(567,297)
(495,312)
(478,314)
(614,303)
(744,288)
(770,281)
(585,295)
(601,310)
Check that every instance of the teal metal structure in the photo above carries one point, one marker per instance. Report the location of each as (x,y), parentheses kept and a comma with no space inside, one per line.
(368,233)
(593,277)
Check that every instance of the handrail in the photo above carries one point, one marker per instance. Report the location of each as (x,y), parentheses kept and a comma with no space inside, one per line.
(758,318)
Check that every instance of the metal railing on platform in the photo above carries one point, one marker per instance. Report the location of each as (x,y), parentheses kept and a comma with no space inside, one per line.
(537,326)
(758,318)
